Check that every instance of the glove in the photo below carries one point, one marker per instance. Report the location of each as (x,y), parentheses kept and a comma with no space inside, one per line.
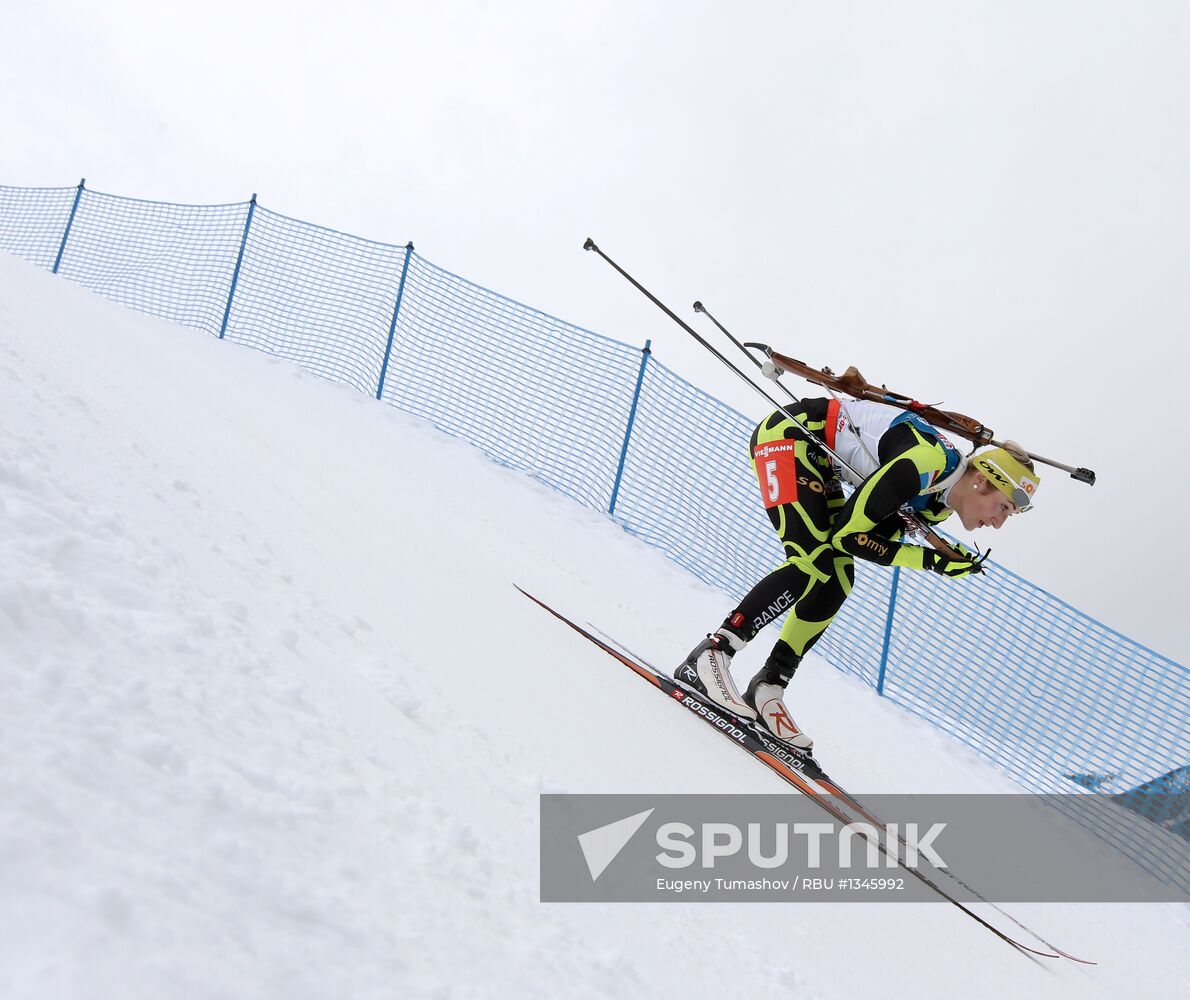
(965,552)
(955,568)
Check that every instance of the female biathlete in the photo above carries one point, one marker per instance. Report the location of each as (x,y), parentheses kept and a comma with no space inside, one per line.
(904,465)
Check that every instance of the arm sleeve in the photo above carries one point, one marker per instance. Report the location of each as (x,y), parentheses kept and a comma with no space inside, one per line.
(910,461)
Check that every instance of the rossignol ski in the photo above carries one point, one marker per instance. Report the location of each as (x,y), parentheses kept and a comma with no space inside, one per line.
(798,769)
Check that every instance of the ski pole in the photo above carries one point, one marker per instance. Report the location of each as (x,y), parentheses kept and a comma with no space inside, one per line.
(769,370)
(936,540)
(590,245)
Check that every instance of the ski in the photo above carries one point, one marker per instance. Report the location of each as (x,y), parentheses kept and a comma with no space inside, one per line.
(777,747)
(803,772)
(861,810)
(858,808)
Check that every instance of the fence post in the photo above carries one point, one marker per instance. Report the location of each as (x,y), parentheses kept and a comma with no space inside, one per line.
(69,222)
(892,604)
(640,378)
(235,277)
(392,327)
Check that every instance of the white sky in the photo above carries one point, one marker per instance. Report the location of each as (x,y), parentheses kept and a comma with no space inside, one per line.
(981,203)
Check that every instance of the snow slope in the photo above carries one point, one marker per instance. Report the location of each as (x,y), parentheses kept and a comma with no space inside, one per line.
(273,720)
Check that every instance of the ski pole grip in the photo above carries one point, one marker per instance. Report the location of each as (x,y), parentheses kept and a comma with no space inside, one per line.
(590,244)
(699,307)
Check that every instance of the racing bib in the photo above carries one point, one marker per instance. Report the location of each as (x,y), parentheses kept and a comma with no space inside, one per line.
(776,469)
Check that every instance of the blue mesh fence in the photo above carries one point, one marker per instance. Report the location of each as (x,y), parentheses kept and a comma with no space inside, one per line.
(687,484)
(1054,698)
(33,222)
(533,392)
(316,297)
(172,261)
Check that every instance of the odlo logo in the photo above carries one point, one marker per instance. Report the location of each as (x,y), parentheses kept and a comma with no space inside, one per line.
(992,472)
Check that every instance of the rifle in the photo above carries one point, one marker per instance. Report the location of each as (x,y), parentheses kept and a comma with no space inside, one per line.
(855,385)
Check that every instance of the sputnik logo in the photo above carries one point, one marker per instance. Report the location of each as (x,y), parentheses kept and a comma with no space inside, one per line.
(602,845)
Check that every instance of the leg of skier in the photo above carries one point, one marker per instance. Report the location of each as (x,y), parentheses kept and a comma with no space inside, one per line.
(801,493)
(807,621)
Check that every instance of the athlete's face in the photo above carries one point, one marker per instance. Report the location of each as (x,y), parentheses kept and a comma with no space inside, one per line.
(981,505)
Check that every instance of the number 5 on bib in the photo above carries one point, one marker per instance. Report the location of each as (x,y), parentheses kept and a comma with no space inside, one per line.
(776,468)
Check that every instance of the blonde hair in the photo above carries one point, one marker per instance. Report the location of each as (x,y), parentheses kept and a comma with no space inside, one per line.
(1019,453)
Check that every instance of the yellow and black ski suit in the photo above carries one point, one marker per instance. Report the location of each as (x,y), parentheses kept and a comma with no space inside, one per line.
(823,533)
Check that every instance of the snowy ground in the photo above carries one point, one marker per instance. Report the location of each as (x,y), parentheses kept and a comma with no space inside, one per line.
(273,720)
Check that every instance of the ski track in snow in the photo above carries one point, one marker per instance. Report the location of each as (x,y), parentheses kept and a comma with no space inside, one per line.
(273,721)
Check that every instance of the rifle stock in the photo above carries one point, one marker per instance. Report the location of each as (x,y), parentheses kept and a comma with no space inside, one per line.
(854,384)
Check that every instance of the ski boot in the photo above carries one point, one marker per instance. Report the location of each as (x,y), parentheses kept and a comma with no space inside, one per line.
(764,696)
(707,671)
